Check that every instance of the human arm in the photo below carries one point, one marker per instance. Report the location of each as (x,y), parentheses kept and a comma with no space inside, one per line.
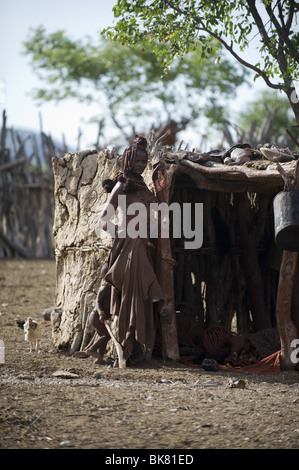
(105,220)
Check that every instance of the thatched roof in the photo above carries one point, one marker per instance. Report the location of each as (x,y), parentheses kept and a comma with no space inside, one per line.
(208,171)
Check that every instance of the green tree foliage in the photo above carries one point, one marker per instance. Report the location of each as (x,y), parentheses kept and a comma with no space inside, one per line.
(128,82)
(183,24)
(267,117)
(256,111)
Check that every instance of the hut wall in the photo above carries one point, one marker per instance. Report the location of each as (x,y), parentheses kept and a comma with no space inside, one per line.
(79,252)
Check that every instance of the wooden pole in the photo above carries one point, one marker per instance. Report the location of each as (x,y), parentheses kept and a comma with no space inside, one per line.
(168,313)
(166,273)
(286,328)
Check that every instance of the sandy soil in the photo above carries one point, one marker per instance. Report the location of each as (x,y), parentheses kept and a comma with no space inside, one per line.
(158,406)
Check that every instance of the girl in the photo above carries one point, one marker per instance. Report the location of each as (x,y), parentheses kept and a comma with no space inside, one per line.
(131,275)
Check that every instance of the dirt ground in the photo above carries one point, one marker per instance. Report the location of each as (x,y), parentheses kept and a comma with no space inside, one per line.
(159,405)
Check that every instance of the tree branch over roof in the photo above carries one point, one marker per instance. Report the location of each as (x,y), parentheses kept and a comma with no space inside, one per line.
(179,25)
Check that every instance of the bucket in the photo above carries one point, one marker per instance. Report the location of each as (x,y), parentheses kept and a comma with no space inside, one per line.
(286,220)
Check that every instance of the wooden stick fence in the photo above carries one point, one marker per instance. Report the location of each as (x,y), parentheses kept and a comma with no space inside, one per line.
(26,195)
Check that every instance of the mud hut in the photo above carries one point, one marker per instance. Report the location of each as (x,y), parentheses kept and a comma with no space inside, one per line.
(232,279)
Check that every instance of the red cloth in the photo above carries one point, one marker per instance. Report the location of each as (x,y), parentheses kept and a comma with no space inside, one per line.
(268,366)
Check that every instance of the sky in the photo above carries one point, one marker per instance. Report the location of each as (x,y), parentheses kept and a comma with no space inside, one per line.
(78,18)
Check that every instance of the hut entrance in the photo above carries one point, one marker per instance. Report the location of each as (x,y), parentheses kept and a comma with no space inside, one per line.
(232,279)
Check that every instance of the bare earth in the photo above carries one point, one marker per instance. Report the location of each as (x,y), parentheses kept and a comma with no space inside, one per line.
(158,406)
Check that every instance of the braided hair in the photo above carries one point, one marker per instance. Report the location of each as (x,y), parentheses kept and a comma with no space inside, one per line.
(128,162)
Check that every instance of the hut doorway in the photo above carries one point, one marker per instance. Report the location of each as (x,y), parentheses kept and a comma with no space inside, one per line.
(232,279)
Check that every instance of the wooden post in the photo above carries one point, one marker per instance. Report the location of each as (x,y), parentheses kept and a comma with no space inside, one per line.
(295,298)
(168,313)
(166,273)
(286,328)
(166,276)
